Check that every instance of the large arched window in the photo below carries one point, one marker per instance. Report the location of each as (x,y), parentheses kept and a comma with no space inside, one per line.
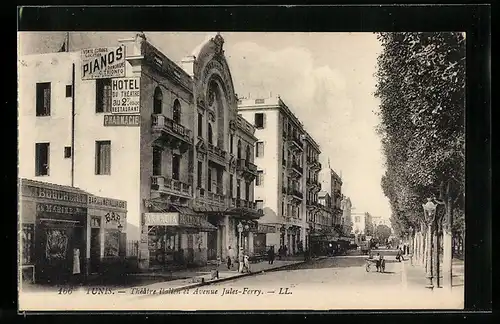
(176,112)
(210,134)
(157,101)
(239,150)
(248,153)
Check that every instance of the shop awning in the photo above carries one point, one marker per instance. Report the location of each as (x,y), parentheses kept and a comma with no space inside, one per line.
(244,213)
(181,217)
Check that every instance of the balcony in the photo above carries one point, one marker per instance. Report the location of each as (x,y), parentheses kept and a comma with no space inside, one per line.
(297,167)
(295,193)
(171,131)
(217,155)
(296,142)
(317,165)
(313,184)
(247,169)
(243,203)
(171,187)
(205,197)
(295,171)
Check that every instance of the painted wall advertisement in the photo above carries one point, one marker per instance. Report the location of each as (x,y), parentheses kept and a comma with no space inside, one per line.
(103,62)
(125,96)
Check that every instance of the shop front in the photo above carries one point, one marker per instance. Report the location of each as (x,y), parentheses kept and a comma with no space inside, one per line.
(259,241)
(53,237)
(244,230)
(177,237)
(106,234)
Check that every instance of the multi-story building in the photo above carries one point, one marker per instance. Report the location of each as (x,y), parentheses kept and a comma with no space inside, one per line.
(324,210)
(346,220)
(287,161)
(171,157)
(332,184)
(363,224)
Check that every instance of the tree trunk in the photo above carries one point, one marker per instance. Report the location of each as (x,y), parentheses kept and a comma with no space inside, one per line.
(423,247)
(447,240)
(435,256)
(429,261)
(417,247)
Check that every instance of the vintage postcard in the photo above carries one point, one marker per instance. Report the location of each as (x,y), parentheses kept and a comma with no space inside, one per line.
(241,171)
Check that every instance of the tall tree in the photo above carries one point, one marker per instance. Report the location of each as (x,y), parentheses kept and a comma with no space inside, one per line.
(421,87)
(421,80)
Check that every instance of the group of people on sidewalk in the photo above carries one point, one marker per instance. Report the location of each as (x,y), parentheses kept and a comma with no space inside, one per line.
(242,261)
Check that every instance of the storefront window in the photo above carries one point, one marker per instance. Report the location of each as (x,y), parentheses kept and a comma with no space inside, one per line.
(57,244)
(28,243)
(111,243)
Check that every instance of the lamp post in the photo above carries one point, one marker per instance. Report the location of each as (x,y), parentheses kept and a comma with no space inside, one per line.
(240,234)
(246,242)
(429,217)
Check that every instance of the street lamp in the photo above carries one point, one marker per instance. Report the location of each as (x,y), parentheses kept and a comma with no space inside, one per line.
(429,215)
(240,231)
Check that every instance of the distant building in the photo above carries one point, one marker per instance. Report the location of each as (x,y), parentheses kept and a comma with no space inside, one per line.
(332,184)
(362,225)
(346,220)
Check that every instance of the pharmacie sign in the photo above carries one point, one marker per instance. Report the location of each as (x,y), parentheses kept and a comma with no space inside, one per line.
(125,96)
(103,62)
(122,120)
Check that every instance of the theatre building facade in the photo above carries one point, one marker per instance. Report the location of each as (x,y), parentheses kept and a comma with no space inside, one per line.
(66,232)
(197,170)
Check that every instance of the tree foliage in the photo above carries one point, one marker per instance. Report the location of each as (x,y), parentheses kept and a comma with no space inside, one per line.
(382,233)
(421,87)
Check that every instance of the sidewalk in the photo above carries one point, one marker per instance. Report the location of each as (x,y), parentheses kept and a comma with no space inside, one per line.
(202,276)
(416,276)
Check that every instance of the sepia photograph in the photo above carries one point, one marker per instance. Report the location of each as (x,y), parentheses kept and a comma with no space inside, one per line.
(182,171)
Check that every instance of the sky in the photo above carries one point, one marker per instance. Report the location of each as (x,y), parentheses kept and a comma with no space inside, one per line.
(326,79)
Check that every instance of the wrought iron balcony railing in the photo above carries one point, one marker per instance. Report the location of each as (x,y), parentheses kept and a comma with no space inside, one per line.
(160,122)
(171,186)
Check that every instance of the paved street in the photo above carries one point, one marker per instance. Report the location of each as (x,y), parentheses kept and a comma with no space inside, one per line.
(332,283)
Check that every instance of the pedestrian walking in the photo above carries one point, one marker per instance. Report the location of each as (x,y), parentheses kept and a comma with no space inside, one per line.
(280,252)
(230,258)
(246,263)
(270,255)
(378,261)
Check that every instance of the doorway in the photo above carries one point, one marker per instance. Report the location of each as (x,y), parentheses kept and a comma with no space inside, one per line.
(95,250)
(212,245)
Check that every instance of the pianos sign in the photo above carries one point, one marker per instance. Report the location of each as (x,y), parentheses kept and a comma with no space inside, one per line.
(103,62)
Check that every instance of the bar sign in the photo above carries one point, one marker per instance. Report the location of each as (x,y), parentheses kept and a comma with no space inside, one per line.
(122,120)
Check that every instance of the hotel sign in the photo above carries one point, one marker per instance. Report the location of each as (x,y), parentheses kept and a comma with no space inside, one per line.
(103,62)
(126,95)
(122,120)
